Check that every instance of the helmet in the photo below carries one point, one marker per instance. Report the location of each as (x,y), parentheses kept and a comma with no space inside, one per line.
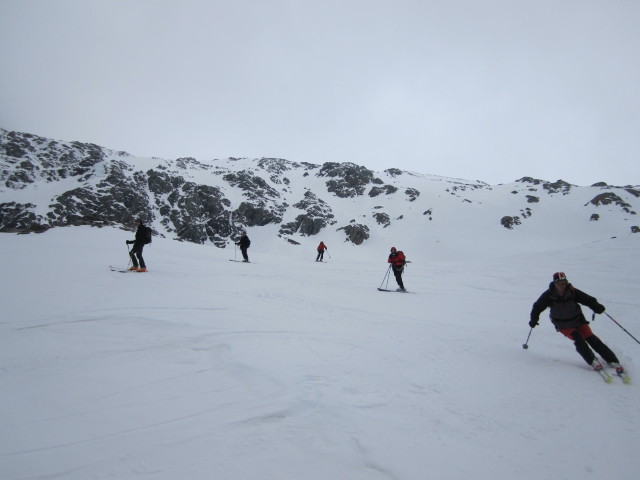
(394,249)
(559,277)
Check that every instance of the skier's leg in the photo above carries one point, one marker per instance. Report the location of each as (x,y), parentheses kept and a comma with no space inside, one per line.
(132,254)
(140,259)
(398,275)
(604,351)
(581,346)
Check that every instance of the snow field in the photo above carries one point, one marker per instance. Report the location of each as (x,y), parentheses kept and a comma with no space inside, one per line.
(286,368)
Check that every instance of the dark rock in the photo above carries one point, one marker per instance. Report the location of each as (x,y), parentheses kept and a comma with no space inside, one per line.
(609,198)
(509,222)
(382,219)
(347,179)
(317,216)
(356,233)
(559,186)
(394,172)
(412,193)
(16,217)
(387,189)
(534,181)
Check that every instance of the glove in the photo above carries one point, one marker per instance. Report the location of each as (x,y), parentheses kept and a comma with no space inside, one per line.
(599,309)
(128,242)
(533,322)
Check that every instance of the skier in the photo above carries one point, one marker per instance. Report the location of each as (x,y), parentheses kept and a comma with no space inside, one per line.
(563,300)
(244,243)
(136,252)
(397,261)
(321,248)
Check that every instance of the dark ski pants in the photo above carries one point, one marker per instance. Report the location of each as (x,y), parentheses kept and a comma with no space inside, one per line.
(584,340)
(136,255)
(320,255)
(398,274)
(245,255)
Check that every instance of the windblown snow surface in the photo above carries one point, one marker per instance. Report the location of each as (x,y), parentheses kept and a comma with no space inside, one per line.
(288,369)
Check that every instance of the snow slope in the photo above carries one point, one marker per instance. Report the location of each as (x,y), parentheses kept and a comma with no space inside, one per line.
(290,369)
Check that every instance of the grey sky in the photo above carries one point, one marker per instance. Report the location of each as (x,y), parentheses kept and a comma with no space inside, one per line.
(490,90)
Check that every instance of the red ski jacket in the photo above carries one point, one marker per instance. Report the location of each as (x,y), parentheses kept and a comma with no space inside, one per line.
(397,258)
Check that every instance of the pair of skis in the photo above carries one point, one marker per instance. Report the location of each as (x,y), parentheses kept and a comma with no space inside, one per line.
(121,270)
(608,378)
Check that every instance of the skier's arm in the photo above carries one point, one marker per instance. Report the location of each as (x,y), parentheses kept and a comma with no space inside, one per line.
(538,307)
(589,301)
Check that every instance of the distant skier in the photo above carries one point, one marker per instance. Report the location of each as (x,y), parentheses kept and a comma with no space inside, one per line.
(563,300)
(143,234)
(397,261)
(321,248)
(244,244)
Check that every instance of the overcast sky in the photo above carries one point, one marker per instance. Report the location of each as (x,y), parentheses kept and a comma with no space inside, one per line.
(492,90)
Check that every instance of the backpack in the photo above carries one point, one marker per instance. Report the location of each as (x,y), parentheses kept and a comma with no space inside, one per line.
(148,235)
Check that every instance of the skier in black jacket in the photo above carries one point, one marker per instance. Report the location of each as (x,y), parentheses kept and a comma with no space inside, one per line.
(563,300)
(244,243)
(138,244)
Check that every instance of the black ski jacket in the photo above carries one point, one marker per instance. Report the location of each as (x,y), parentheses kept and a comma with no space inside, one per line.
(140,235)
(565,311)
(244,242)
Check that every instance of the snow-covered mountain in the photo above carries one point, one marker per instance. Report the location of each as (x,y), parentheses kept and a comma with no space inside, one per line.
(47,183)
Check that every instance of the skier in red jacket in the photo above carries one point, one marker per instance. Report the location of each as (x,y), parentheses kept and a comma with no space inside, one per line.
(397,261)
(321,248)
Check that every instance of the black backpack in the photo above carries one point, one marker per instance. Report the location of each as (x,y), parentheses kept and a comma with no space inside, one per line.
(148,235)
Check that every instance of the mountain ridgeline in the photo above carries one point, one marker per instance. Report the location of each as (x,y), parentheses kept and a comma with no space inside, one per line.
(46,183)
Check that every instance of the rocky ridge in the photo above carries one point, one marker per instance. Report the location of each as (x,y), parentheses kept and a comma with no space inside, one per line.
(45,183)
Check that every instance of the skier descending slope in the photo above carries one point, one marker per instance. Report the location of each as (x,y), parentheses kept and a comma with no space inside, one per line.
(397,261)
(563,300)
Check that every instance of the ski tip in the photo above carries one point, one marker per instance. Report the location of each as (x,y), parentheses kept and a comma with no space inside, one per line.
(626,379)
(393,291)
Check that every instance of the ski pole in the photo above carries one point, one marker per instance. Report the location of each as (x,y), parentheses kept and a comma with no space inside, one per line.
(386,276)
(625,330)
(128,254)
(525,345)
